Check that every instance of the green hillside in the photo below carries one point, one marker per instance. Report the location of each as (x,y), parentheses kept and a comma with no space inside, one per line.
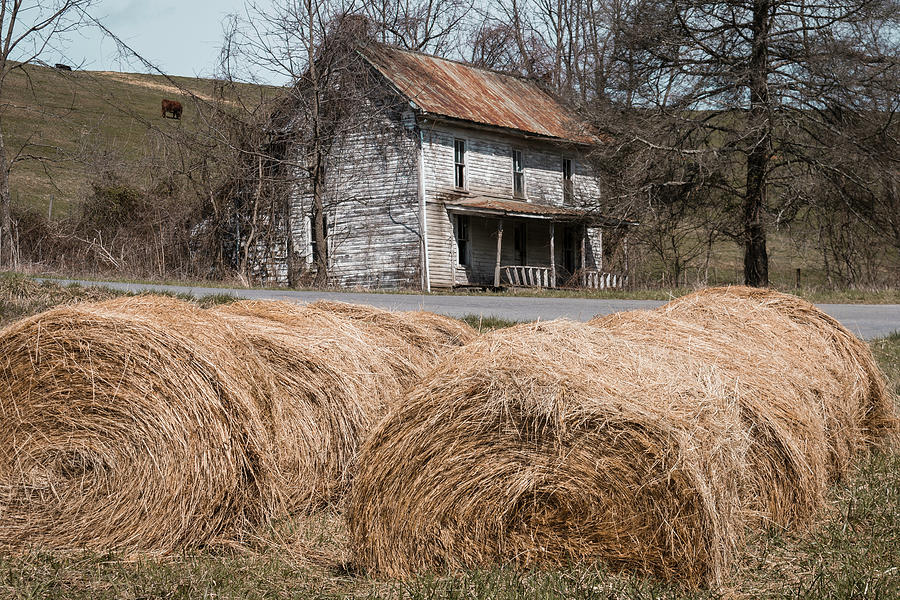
(68,126)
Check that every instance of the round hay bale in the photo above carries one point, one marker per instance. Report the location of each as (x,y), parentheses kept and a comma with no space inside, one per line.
(333,383)
(780,406)
(859,414)
(445,331)
(395,351)
(130,424)
(422,340)
(547,444)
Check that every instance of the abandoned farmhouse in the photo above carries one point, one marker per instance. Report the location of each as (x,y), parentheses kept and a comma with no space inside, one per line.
(472,178)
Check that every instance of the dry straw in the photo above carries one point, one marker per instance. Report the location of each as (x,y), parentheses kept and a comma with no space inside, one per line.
(864,382)
(423,337)
(545,444)
(852,393)
(445,332)
(133,423)
(334,379)
(779,390)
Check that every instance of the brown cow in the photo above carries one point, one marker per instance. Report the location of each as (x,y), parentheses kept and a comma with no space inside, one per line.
(171,106)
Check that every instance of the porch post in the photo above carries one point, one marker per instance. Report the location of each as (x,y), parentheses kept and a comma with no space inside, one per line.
(499,250)
(583,252)
(600,263)
(552,258)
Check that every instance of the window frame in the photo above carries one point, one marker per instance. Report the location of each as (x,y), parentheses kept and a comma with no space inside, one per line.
(568,183)
(460,170)
(521,172)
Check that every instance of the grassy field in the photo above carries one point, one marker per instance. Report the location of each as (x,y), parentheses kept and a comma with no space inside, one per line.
(853,553)
(22,296)
(72,125)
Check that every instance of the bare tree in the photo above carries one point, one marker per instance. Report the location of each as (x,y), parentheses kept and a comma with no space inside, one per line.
(431,26)
(332,96)
(749,82)
(27,29)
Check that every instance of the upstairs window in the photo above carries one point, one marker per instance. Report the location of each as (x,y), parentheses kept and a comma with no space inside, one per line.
(459,160)
(518,174)
(568,182)
(462,239)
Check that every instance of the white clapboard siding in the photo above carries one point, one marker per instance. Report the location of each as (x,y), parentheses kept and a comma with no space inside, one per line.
(372,210)
(372,205)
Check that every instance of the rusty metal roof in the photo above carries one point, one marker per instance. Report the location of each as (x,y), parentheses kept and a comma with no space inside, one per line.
(488,205)
(452,89)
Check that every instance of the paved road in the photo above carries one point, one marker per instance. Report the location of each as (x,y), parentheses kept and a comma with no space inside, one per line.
(866,320)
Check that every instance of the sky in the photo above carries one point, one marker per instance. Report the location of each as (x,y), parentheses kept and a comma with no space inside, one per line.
(181,38)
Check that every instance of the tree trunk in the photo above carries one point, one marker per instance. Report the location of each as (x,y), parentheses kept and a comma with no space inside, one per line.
(7,248)
(292,258)
(319,234)
(756,260)
(318,159)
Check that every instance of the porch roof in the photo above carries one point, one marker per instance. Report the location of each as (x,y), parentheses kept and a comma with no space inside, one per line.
(505,207)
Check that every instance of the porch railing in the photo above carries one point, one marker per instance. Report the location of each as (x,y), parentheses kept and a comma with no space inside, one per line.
(598,280)
(526,276)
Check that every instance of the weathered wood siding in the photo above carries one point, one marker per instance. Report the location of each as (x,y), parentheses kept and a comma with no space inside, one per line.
(371,204)
(441,244)
(489,172)
(489,165)
(373,213)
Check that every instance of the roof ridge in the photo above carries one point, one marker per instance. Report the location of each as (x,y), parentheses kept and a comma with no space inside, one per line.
(526,78)
(454,89)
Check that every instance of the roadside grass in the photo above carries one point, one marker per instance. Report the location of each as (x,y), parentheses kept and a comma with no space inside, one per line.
(854,552)
(482,324)
(22,296)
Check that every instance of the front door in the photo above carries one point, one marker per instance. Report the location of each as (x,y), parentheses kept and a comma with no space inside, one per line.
(520,242)
(463,259)
(570,250)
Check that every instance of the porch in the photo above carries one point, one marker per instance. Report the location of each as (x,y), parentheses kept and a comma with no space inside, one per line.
(510,243)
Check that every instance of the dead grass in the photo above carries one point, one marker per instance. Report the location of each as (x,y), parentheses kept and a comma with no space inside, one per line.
(21,296)
(863,412)
(789,467)
(424,337)
(850,552)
